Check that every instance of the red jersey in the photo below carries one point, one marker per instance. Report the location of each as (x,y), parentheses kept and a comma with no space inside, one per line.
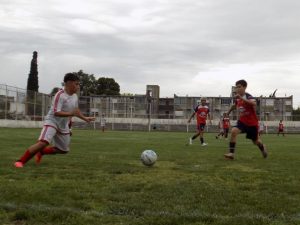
(201,112)
(226,122)
(247,114)
(280,127)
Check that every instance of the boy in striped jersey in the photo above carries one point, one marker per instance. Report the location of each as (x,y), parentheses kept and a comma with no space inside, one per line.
(56,128)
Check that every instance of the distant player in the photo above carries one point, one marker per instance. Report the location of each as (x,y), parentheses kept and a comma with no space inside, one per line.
(280,128)
(202,113)
(56,128)
(247,122)
(102,123)
(226,125)
(221,130)
(261,128)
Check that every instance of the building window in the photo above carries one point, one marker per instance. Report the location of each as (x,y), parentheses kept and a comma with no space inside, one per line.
(225,101)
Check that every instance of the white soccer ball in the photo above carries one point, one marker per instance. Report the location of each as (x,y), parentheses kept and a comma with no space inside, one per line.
(148,157)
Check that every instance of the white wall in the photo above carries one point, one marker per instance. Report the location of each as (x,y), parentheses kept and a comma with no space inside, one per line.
(39,124)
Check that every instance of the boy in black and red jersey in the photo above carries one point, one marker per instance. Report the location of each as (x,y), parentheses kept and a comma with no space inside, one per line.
(202,113)
(247,122)
(280,128)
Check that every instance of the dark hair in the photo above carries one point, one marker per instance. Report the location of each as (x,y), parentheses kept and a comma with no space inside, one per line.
(241,82)
(71,77)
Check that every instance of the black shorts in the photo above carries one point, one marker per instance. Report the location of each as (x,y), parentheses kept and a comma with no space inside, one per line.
(201,126)
(251,131)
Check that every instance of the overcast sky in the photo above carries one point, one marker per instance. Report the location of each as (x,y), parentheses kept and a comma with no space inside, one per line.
(187,47)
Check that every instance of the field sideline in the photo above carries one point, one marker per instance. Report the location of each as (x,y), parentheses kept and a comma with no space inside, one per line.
(102,181)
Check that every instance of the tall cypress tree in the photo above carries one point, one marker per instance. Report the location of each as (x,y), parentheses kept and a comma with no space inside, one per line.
(33,80)
(33,87)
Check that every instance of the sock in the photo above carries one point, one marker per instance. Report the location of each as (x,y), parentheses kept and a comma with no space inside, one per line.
(202,140)
(27,156)
(231,147)
(194,137)
(48,150)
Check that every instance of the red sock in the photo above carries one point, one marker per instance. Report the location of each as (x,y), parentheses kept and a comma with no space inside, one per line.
(48,150)
(27,155)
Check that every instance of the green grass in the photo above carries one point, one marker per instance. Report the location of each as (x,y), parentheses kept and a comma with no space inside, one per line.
(102,181)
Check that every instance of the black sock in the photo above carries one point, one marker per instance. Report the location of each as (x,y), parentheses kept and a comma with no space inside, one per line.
(194,137)
(231,147)
(202,140)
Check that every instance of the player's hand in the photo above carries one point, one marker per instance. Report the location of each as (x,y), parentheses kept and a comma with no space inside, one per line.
(89,119)
(237,96)
(76,113)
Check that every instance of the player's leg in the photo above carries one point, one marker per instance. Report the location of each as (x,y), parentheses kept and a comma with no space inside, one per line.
(226,130)
(29,153)
(252,133)
(235,131)
(61,144)
(45,138)
(261,147)
(194,137)
(201,130)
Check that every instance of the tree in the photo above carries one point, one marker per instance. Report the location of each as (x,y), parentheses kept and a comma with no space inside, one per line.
(296,114)
(33,86)
(107,86)
(103,86)
(33,81)
(54,91)
(87,83)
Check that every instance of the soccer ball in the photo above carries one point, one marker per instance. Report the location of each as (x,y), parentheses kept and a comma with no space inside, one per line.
(148,157)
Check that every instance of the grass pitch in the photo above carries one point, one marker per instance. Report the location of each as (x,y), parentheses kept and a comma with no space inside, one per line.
(102,181)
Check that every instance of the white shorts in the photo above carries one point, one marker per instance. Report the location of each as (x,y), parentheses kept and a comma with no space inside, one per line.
(59,140)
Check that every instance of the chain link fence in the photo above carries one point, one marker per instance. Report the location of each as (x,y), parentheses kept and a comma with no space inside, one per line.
(131,112)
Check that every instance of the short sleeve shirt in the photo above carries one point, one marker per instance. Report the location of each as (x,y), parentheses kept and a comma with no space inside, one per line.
(62,102)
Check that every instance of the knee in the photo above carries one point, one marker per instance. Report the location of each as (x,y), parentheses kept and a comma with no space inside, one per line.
(234,132)
(42,144)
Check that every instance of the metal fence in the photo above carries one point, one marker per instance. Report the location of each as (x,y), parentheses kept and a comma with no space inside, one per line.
(121,112)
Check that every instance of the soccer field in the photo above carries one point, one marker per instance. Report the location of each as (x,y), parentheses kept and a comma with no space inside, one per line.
(102,181)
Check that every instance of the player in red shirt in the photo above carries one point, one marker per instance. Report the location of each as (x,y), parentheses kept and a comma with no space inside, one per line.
(280,128)
(202,113)
(247,122)
(226,125)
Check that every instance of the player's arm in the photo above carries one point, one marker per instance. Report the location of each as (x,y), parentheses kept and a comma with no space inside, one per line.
(78,114)
(209,118)
(233,107)
(191,117)
(63,114)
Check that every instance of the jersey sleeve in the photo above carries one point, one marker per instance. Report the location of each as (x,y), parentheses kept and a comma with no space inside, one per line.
(58,102)
(250,97)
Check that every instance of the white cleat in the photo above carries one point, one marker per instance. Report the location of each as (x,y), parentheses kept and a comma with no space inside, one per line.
(190,141)
(229,155)
(204,144)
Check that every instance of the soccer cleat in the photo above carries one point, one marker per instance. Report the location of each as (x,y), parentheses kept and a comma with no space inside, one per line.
(229,155)
(217,137)
(264,152)
(190,141)
(18,164)
(203,144)
(38,157)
